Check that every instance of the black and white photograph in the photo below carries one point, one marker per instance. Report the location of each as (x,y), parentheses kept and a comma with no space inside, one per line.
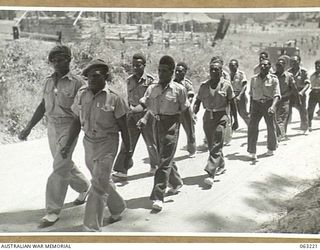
(187,122)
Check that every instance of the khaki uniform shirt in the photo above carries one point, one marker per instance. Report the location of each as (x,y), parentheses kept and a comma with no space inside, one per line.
(215,99)
(137,87)
(301,77)
(286,82)
(169,101)
(238,80)
(187,84)
(98,113)
(315,81)
(264,89)
(60,96)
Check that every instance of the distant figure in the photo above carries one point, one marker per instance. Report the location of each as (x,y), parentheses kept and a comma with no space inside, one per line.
(314,95)
(298,100)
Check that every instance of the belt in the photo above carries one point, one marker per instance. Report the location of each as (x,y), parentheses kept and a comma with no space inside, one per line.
(161,117)
(60,119)
(263,100)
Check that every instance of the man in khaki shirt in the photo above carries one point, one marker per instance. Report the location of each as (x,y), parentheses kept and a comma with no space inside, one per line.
(102,114)
(59,92)
(239,85)
(314,95)
(137,84)
(165,101)
(216,94)
(264,93)
(180,72)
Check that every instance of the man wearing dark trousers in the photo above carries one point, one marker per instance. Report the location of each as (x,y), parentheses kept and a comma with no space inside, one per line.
(165,101)
(264,94)
(303,83)
(59,92)
(239,84)
(137,85)
(314,96)
(287,89)
(216,94)
(180,72)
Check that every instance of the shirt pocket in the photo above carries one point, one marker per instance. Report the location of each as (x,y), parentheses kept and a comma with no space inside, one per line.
(105,117)
(66,97)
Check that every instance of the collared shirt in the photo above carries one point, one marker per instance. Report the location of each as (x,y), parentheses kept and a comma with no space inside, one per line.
(59,97)
(215,99)
(98,112)
(187,84)
(315,80)
(286,82)
(137,87)
(171,100)
(301,77)
(238,80)
(264,88)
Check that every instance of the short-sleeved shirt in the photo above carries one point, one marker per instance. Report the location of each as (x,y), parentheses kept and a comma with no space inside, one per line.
(315,81)
(286,82)
(238,80)
(301,77)
(264,88)
(187,84)
(59,97)
(98,112)
(215,99)
(171,100)
(137,87)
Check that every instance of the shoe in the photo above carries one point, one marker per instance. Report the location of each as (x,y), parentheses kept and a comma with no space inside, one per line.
(209,181)
(81,198)
(192,155)
(114,218)
(220,171)
(310,129)
(253,156)
(270,152)
(157,205)
(175,190)
(153,170)
(48,220)
(120,175)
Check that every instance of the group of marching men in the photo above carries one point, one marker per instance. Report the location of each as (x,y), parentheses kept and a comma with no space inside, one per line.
(156,109)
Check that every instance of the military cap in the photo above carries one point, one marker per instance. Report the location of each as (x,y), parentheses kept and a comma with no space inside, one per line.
(59,50)
(183,64)
(168,60)
(95,63)
(138,56)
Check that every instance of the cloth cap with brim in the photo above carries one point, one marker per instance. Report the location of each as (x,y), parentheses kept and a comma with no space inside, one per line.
(169,61)
(96,63)
(59,50)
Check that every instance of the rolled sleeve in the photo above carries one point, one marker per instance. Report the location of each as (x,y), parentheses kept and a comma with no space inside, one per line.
(121,108)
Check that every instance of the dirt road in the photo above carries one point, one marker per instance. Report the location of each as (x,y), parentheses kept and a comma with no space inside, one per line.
(240,201)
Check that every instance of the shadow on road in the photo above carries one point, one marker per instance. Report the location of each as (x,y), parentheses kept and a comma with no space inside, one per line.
(197,180)
(141,202)
(236,157)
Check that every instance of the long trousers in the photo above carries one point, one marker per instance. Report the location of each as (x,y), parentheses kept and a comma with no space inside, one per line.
(188,126)
(99,157)
(242,108)
(314,99)
(282,118)
(147,134)
(259,110)
(65,172)
(166,137)
(214,125)
(301,107)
